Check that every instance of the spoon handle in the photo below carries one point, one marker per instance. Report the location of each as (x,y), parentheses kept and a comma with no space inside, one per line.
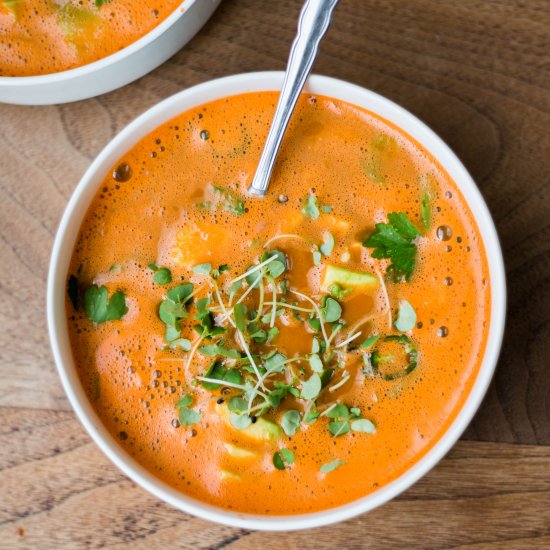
(312,25)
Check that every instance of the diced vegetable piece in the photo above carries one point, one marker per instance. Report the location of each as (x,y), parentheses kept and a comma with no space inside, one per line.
(261,430)
(363,282)
(238,452)
(226,475)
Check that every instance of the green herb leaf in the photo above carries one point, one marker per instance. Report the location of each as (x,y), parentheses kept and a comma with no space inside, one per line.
(100,3)
(282,458)
(275,363)
(180,294)
(239,311)
(217,371)
(290,422)
(363,425)
(315,363)
(330,466)
(370,341)
(202,269)
(339,427)
(340,411)
(328,244)
(312,415)
(220,198)
(185,401)
(187,417)
(338,292)
(311,207)
(162,276)
(218,349)
(311,387)
(393,240)
(100,308)
(182,343)
(240,421)
(406,317)
(330,309)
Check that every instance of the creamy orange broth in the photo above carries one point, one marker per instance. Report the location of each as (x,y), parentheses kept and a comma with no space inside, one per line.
(48,36)
(335,151)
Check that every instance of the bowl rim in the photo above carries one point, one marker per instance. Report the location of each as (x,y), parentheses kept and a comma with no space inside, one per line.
(147,122)
(76,72)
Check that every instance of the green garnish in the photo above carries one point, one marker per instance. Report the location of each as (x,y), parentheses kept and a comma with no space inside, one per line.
(162,275)
(221,198)
(239,312)
(202,269)
(328,244)
(330,466)
(219,349)
(100,308)
(100,3)
(394,240)
(311,207)
(411,357)
(330,309)
(406,317)
(315,363)
(217,371)
(311,387)
(338,292)
(283,458)
(172,310)
(363,425)
(370,341)
(186,415)
(290,422)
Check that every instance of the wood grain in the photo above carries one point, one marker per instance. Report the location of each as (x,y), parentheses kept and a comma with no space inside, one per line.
(479,74)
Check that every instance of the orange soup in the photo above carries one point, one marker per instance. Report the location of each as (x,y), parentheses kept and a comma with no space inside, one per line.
(286,354)
(48,36)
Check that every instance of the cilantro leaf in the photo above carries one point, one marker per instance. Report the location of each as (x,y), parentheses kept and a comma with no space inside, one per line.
(393,240)
(100,308)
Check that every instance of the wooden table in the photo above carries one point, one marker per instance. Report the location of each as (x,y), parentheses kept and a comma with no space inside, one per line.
(478,74)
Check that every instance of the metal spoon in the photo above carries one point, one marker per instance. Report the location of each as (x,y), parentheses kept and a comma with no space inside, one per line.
(312,25)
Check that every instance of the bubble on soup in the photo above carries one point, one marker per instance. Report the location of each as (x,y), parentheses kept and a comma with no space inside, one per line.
(448,281)
(444,232)
(122,173)
(442,332)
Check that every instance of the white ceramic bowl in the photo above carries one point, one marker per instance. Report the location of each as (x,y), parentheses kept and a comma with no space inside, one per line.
(115,70)
(78,206)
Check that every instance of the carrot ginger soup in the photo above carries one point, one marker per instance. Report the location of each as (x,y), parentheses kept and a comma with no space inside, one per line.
(285,354)
(47,36)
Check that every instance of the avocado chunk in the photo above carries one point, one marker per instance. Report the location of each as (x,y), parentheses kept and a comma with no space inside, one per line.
(238,452)
(261,430)
(354,280)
